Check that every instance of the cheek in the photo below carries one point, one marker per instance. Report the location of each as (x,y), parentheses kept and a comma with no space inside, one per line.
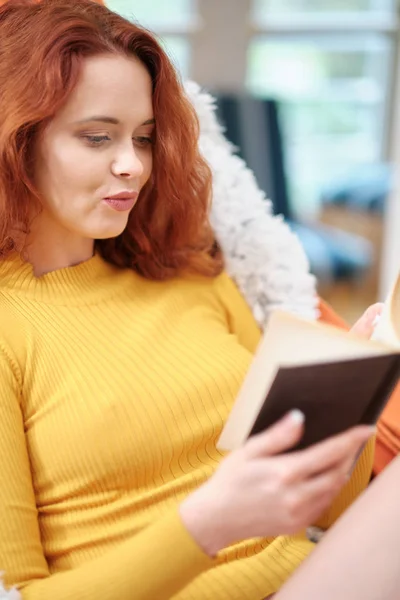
(75,169)
(63,167)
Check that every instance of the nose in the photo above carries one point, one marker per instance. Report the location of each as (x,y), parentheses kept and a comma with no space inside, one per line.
(127,164)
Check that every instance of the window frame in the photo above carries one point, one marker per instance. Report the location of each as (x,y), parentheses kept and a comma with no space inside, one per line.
(332,25)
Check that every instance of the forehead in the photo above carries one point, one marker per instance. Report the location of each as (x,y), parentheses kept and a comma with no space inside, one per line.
(111,85)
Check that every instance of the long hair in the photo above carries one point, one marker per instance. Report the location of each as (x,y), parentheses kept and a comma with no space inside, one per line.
(42,47)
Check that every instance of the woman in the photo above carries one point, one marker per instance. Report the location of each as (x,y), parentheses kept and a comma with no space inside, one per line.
(123,343)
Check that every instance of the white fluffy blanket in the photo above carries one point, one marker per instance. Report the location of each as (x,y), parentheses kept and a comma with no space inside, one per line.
(262,254)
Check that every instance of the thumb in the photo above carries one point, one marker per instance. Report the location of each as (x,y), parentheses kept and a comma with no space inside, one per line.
(281,436)
(365,325)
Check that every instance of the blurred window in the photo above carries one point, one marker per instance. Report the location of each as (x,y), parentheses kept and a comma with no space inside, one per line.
(172,21)
(330,63)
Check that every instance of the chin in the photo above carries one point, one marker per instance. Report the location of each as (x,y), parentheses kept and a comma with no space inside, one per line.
(109,230)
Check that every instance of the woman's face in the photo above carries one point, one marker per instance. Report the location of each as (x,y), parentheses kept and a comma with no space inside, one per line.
(97,147)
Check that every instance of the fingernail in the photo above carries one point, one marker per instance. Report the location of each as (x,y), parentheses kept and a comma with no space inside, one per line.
(376,320)
(373,429)
(297,416)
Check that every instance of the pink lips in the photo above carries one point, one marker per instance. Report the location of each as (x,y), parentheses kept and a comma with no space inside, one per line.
(122,201)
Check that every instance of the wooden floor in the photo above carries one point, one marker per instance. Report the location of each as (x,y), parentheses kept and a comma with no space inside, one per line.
(349,300)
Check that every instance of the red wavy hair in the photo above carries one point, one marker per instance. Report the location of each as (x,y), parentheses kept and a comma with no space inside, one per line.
(42,47)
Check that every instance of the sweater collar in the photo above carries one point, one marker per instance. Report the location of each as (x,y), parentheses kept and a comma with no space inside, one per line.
(85,283)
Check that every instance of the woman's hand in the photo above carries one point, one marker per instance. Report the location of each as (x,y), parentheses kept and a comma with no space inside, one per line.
(365,325)
(258,492)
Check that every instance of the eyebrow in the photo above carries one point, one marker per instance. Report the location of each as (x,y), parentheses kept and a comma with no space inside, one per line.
(112,120)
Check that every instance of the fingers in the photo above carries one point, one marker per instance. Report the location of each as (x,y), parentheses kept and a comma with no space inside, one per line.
(314,496)
(282,436)
(307,500)
(340,449)
(287,432)
(326,484)
(365,325)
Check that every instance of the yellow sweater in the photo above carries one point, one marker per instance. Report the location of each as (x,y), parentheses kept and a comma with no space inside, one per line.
(114,390)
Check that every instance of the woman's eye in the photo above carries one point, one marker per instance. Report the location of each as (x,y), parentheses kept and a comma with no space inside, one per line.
(96,140)
(143,140)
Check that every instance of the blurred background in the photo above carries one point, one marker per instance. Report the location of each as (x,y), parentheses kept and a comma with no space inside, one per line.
(309,92)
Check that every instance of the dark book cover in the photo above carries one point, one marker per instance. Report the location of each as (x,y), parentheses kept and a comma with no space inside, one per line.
(333,396)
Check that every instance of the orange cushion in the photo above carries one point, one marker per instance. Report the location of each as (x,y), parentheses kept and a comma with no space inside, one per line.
(388,437)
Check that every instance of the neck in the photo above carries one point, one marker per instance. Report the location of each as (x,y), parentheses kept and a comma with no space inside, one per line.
(50,248)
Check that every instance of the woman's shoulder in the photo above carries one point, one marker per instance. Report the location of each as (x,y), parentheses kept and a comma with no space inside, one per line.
(224,295)
(220,288)
(239,314)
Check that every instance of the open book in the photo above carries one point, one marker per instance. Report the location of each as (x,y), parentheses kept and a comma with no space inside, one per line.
(335,378)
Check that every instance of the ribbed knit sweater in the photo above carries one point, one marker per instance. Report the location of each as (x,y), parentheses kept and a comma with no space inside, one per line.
(114,390)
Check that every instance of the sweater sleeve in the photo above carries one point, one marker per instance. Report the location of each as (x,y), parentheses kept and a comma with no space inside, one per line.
(157,563)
